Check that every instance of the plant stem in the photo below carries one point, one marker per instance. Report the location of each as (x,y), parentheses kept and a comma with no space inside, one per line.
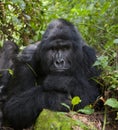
(105,118)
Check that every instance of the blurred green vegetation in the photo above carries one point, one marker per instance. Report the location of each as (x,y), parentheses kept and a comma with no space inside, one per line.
(24,21)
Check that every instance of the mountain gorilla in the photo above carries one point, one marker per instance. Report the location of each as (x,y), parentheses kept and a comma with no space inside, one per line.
(58,68)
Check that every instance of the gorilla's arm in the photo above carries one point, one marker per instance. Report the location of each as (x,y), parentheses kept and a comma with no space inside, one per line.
(73,87)
(21,110)
(80,87)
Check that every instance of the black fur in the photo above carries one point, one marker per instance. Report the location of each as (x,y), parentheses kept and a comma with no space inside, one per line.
(7,54)
(58,68)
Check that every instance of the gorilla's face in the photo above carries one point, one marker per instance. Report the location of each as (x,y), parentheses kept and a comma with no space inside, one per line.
(59,47)
(58,56)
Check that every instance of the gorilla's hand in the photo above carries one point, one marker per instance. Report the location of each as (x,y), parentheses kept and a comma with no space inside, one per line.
(54,100)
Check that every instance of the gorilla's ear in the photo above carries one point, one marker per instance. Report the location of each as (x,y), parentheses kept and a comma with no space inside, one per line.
(89,55)
(89,59)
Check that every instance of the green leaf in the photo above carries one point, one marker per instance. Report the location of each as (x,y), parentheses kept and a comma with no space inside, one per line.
(102,60)
(87,110)
(65,105)
(21,3)
(11,72)
(115,41)
(76,100)
(112,102)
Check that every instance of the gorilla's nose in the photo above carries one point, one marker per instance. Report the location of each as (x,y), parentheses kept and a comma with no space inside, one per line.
(59,63)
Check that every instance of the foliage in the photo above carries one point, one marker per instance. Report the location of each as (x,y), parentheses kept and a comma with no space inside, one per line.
(112,102)
(25,21)
(87,110)
(109,76)
(9,70)
(75,101)
(20,20)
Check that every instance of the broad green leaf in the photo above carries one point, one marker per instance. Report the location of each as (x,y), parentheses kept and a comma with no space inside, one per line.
(112,102)
(87,110)
(76,100)
(102,60)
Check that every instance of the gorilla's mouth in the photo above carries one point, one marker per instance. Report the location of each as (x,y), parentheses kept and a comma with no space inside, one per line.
(59,69)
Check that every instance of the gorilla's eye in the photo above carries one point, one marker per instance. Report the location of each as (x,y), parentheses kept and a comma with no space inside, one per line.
(52,48)
(60,27)
(65,47)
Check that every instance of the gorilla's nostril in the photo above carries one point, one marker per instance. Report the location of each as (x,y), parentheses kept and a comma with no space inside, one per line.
(59,62)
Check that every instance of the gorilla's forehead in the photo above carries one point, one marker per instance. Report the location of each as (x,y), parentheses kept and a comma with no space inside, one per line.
(60,42)
(55,23)
(61,29)
(64,30)
(57,43)
(61,25)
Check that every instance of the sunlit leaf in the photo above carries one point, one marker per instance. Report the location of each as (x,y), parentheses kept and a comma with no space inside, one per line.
(87,110)
(76,100)
(102,60)
(115,41)
(21,3)
(11,72)
(112,102)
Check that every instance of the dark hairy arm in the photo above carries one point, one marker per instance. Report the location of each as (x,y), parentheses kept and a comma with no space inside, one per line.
(22,110)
